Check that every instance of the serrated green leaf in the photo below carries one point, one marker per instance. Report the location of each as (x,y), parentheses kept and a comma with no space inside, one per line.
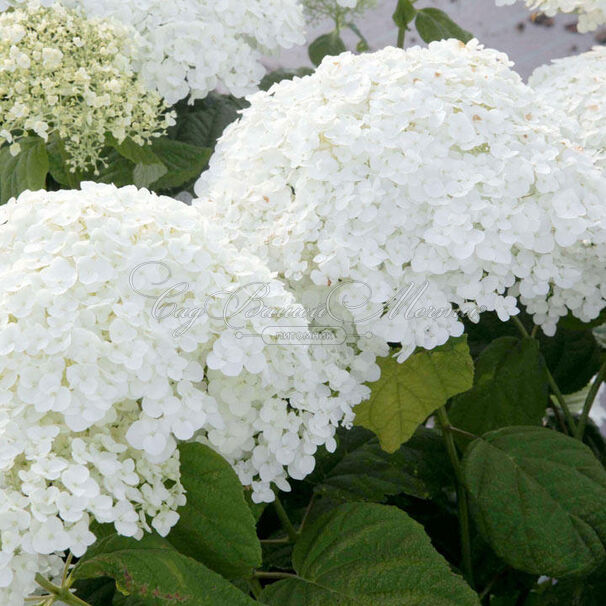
(510,388)
(324,46)
(360,470)
(283,74)
(27,170)
(183,162)
(434,24)
(137,154)
(362,554)
(407,393)
(573,356)
(539,500)
(154,573)
(118,170)
(202,123)
(405,12)
(146,174)
(217,526)
(58,168)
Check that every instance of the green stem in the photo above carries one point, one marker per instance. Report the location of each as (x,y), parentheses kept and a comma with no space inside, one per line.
(255,587)
(401,37)
(292,533)
(258,574)
(60,593)
(461,494)
(591,396)
(552,384)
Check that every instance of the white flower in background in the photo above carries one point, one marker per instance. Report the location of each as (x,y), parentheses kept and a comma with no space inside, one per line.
(342,11)
(191,47)
(96,389)
(577,85)
(399,168)
(592,13)
(63,74)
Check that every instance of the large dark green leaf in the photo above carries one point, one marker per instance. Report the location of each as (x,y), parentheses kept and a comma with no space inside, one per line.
(27,170)
(510,388)
(154,573)
(202,123)
(363,554)
(434,24)
(118,170)
(324,46)
(184,162)
(217,526)
(58,168)
(539,499)
(407,393)
(573,356)
(360,470)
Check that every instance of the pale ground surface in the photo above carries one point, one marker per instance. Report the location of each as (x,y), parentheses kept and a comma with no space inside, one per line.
(528,46)
(494,26)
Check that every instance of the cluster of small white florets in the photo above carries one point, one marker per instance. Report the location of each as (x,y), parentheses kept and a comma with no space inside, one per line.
(96,389)
(399,168)
(341,11)
(577,85)
(63,74)
(192,46)
(592,13)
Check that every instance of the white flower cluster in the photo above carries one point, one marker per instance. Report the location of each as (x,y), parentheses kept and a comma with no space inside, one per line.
(411,167)
(577,85)
(192,46)
(63,74)
(592,13)
(100,376)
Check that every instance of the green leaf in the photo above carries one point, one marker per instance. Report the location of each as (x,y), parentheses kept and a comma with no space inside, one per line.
(283,74)
(118,170)
(202,123)
(25,171)
(510,388)
(363,554)
(146,174)
(406,394)
(326,45)
(217,526)
(137,154)
(58,168)
(539,500)
(573,356)
(361,471)
(155,574)
(183,161)
(434,24)
(589,591)
(405,12)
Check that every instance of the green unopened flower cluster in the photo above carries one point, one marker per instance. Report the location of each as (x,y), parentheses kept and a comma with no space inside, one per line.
(63,74)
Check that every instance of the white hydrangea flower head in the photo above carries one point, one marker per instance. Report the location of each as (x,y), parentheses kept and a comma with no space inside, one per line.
(592,13)
(96,389)
(577,85)
(191,47)
(425,166)
(64,75)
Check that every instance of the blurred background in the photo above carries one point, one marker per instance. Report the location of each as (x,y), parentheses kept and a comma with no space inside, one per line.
(529,41)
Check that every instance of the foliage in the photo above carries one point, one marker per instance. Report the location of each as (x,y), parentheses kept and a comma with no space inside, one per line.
(465,480)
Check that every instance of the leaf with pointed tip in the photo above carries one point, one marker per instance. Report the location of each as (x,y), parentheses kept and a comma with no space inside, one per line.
(407,393)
